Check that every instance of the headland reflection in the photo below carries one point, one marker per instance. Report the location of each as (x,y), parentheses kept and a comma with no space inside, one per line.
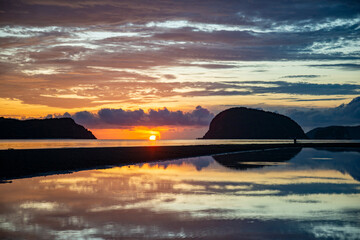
(306,194)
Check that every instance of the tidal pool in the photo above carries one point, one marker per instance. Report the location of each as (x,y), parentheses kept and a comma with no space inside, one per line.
(299,194)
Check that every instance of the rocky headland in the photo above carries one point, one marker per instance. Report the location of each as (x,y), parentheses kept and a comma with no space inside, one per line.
(246,123)
(54,128)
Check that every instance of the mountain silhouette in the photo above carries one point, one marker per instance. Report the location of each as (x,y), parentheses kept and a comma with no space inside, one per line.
(42,129)
(246,123)
(335,132)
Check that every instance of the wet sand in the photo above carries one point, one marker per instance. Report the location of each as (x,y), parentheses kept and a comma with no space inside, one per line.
(32,162)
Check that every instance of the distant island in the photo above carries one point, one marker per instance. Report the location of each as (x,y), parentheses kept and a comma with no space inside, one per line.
(54,128)
(335,132)
(247,123)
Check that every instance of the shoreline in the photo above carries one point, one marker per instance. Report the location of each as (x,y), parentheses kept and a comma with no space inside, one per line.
(23,163)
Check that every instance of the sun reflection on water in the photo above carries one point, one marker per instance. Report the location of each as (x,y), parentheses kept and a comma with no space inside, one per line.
(196,197)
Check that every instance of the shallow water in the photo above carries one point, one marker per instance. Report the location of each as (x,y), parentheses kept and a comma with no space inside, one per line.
(86,143)
(309,194)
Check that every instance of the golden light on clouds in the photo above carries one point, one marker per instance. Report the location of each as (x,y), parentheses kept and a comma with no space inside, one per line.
(50,66)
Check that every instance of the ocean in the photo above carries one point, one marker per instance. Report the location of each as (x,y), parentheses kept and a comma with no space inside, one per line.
(88,143)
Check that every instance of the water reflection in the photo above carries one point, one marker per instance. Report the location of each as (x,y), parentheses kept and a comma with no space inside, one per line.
(256,159)
(314,195)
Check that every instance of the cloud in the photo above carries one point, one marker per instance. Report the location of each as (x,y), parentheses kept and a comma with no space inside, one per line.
(96,87)
(105,51)
(296,99)
(267,87)
(347,66)
(211,11)
(345,114)
(211,66)
(119,118)
(169,76)
(307,88)
(301,76)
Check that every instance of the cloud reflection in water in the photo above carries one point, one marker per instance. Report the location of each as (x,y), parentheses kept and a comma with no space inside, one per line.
(314,195)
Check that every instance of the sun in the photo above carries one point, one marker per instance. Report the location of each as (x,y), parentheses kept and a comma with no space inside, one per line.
(152,137)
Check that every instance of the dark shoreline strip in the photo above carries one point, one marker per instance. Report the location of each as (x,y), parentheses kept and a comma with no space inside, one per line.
(30,162)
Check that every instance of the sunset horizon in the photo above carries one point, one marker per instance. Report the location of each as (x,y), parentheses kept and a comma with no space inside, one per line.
(82,59)
(179,119)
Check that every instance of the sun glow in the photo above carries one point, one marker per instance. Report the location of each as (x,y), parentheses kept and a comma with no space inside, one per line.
(152,138)
(138,132)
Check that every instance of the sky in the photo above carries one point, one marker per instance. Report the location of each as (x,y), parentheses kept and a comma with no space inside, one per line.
(127,69)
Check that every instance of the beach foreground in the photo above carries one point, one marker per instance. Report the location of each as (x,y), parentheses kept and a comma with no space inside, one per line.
(30,162)
(304,194)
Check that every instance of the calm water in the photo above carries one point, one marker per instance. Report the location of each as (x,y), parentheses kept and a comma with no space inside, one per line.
(61,143)
(313,195)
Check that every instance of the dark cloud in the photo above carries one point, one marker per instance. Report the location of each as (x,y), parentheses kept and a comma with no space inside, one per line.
(301,76)
(98,87)
(119,118)
(96,12)
(74,54)
(245,30)
(345,114)
(267,87)
(311,99)
(169,76)
(319,99)
(307,88)
(211,66)
(347,66)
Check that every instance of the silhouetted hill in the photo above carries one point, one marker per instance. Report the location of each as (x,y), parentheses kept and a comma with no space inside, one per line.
(246,123)
(335,132)
(42,128)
